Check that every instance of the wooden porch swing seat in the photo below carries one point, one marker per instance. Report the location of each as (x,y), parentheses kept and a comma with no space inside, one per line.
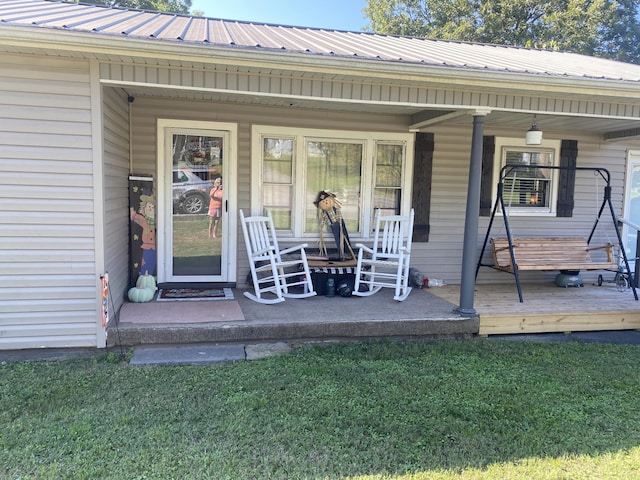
(386,264)
(550,254)
(274,272)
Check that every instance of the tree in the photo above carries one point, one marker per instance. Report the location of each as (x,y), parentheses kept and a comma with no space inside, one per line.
(174,6)
(604,28)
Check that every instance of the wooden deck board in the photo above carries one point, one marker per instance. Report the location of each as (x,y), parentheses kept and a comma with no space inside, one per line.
(548,308)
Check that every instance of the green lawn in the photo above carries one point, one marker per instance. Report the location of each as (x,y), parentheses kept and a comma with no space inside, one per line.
(191,237)
(439,409)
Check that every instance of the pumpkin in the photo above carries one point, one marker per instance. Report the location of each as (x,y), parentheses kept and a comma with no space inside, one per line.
(140,295)
(147,281)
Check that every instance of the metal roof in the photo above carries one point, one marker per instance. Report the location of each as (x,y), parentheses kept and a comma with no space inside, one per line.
(355,46)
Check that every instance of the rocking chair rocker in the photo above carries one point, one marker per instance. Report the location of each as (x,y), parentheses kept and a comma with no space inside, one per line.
(270,273)
(387,263)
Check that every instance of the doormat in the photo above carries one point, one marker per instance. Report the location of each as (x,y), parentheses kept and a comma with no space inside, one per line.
(193,294)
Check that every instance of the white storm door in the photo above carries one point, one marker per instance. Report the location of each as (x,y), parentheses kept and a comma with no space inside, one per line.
(631,206)
(197,184)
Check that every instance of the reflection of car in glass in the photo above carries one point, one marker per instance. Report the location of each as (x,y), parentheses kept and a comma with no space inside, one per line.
(190,192)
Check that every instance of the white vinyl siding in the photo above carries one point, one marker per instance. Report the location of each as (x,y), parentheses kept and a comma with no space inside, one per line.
(47,248)
(116,194)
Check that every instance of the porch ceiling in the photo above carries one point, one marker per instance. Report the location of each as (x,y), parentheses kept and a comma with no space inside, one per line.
(606,127)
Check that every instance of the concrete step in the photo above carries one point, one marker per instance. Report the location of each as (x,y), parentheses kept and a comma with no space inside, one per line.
(242,321)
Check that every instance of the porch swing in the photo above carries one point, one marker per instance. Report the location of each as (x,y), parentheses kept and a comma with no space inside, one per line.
(566,254)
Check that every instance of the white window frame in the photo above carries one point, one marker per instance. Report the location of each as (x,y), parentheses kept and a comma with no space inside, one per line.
(302,137)
(504,144)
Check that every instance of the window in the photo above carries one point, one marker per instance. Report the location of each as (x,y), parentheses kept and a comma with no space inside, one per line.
(334,166)
(527,190)
(277,179)
(388,178)
(364,170)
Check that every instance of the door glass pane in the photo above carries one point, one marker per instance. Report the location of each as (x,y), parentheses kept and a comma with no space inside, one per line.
(197,205)
(634,215)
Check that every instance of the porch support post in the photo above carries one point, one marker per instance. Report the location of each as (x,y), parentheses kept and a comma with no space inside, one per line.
(468,277)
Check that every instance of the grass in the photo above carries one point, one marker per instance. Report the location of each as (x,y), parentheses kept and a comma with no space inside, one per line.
(191,237)
(441,409)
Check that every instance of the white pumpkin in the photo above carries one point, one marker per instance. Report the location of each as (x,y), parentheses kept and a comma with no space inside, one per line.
(140,295)
(147,281)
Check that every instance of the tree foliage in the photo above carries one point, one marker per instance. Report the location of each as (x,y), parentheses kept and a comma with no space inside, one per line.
(604,28)
(174,6)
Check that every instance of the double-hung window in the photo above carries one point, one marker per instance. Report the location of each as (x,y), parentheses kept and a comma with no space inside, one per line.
(365,170)
(528,189)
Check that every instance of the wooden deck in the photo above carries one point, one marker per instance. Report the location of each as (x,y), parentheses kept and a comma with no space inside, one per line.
(548,308)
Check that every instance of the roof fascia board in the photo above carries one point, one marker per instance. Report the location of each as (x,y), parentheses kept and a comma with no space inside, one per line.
(109,46)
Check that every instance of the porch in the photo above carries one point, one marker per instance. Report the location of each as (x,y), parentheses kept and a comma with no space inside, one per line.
(548,308)
(425,313)
(316,318)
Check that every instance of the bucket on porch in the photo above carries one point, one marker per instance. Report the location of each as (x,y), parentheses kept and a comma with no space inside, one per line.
(569,278)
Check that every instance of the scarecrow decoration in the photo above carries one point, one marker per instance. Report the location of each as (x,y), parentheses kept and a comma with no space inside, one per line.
(329,214)
(145,217)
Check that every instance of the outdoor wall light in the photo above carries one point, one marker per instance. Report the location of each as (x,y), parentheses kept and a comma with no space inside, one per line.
(534,134)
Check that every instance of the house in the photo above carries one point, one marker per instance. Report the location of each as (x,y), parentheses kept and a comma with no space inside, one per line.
(100,105)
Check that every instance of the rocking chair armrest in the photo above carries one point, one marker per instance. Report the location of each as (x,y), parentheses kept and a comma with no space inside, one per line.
(294,248)
(264,250)
(365,248)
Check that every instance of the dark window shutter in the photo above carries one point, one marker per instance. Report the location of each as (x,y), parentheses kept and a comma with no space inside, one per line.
(422,175)
(486,199)
(567,178)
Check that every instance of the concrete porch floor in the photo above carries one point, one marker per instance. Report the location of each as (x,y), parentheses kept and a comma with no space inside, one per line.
(423,314)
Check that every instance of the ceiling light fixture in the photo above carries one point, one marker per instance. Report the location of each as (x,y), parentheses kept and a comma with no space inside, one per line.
(534,134)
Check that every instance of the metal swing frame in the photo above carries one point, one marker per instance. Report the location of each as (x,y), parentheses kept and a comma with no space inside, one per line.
(606,202)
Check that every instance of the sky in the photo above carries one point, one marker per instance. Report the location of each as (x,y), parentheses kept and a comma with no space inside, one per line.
(334,14)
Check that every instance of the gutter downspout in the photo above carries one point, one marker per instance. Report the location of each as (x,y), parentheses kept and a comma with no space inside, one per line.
(472,218)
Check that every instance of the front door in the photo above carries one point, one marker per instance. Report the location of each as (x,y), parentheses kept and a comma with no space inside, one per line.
(631,206)
(197,178)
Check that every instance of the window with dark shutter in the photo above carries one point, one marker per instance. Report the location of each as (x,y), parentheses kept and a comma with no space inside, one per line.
(567,180)
(486,189)
(529,191)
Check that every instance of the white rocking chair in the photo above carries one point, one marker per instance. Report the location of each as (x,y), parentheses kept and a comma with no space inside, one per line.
(269,272)
(387,263)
